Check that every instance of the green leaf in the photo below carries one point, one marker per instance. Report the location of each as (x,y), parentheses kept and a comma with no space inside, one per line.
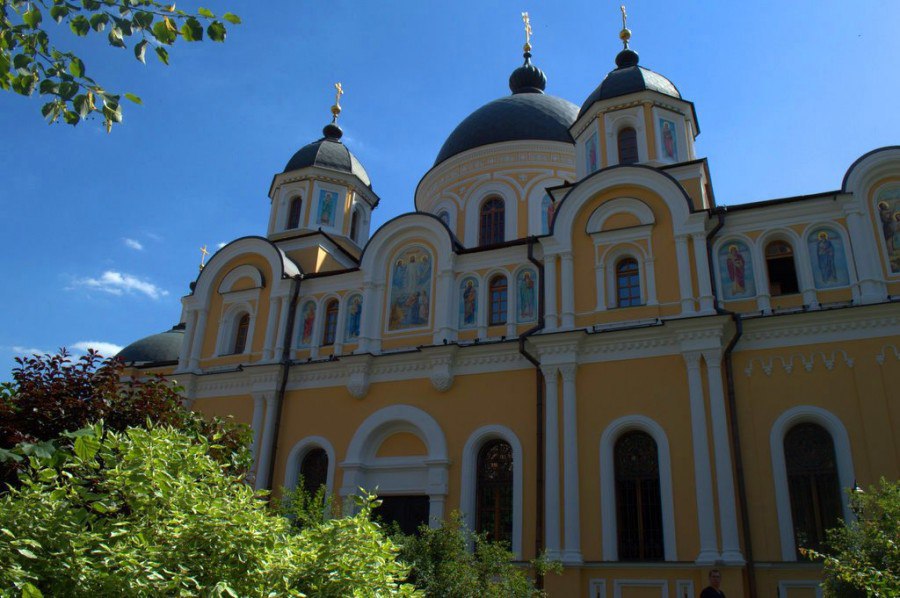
(58,12)
(232,18)
(192,30)
(163,34)
(140,49)
(32,17)
(86,446)
(115,38)
(83,106)
(26,553)
(68,89)
(76,67)
(29,591)
(205,12)
(163,55)
(216,31)
(99,21)
(80,25)
(133,98)
(142,20)
(48,86)
(21,61)
(71,118)
(113,113)
(90,4)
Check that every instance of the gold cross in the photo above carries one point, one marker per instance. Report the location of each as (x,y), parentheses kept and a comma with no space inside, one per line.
(203,254)
(625,34)
(624,17)
(527,22)
(338,93)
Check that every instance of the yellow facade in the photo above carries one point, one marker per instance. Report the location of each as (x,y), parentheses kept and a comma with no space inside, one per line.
(612,301)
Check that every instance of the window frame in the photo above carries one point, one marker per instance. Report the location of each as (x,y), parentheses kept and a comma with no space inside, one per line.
(498,307)
(781,261)
(330,322)
(492,221)
(645,517)
(240,335)
(496,489)
(295,213)
(632,279)
(621,139)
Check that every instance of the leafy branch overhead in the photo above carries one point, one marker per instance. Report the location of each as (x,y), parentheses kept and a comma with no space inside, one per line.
(30,61)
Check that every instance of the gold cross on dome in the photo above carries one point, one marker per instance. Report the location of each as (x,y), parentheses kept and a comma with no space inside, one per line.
(527,22)
(625,34)
(339,91)
(624,17)
(203,253)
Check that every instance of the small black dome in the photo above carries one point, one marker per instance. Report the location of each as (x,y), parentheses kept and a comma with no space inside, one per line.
(158,348)
(527,78)
(328,152)
(627,78)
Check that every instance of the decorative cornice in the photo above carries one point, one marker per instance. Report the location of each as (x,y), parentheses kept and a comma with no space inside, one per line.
(807,361)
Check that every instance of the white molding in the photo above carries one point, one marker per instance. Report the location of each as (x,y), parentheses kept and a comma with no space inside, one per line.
(785,585)
(684,588)
(844,461)
(296,456)
(608,523)
(340,208)
(468,483)
(597,588)
(472,209)
(662,584)
(616,120)
(233,308)
(243,271)
(622,205)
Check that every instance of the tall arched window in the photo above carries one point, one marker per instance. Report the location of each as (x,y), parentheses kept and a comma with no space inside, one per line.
(331,319)
(628,283)
(781,269)
(492,222)
(240,336)
(354,226)
(498,296)
(813,484)
(293,220)
(638,503)
(628,146)
(494,490)
(314,470)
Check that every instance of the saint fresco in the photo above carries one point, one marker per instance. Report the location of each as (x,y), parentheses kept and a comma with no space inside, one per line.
(591,155)
(668,141)
(307,324)
(548,211)
(526,296)
(327,207)
(736,270)
(887,212)
(354,315)
(410,294)
(468,303)
(827,258)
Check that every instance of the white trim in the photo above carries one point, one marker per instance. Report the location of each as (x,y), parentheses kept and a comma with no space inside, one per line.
(616,120)
(844,461)
(228,326)
(785,585)
(662,584)
(684,588)
(597,588)
(610,261)
(608,524)
(296,456)
(622,205)
(340,207)
(476,198)
(467,500)
(244,271)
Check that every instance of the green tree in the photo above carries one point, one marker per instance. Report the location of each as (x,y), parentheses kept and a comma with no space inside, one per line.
(864,555)
(147,512)
(31,61)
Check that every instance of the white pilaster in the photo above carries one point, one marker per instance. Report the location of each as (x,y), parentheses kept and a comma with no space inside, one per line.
(271,328)
(701,261)
(571,512)
(190,324)
(197,342)
(376,313)
(865,256)
(568,291)
(551,318)
(265,449)
(365,326)
(282,325)
(551,462)
(259,407)
(702,473)
(650,275)
(600,284)
(443,301)
(731,549)
(685,285)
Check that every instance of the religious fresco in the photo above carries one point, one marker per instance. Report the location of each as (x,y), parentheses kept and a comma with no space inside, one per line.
(887,211)
(548,211)
(307,324)
(667,138)
(468,303)
(354,315)
(526,296)
(828,258)
(410,295)
(591,154)
(736,271)
(327,206)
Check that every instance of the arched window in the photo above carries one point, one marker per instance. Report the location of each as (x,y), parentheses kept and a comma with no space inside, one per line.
(628,283)
(314,470)
(240,336)
(331,318)
(494,491)
(812,475)
(354,226)
(638,503)
(628,147)
(293,220)
(497,289)
(493,222)
(781,269)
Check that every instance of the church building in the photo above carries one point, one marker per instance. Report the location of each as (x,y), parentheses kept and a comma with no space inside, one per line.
(567,341)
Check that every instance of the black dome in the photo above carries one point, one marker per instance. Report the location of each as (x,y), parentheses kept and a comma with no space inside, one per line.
(328,152)
(163,347)
(627,78)
(517,117)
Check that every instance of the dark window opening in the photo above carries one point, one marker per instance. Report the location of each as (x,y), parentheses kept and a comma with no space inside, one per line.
(781,269)
(497,289)
(331,319)
(813,483)
(314,470)
(354,226)
(240,337)
(628,283)
(628,146)
(493,222)
(638,502)
(408,512)
(494,491)
(294,213)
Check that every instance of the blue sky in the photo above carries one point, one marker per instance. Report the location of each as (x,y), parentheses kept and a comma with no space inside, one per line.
(101,233)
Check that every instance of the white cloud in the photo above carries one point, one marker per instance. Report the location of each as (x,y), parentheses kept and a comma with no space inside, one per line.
(221,244)
(18,350)
(132,244)
(153,236)
(119,283)
(104,348)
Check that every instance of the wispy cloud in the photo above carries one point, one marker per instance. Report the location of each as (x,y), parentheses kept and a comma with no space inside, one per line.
(132,244)
(153,236)
(104,348)
(19,350)
(120,283)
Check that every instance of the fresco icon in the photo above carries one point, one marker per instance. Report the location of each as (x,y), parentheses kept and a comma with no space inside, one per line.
(591,155)
(468,303)
(307,323)
(327,207)
(548,211)
(354,315)
(526,296)
(410,293)
(887,211)
(667,139)
(736,270)
(828,258)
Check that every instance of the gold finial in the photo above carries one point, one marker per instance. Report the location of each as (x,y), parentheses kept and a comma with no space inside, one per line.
(625,34)
(527,22)
(203,254)
(336,109)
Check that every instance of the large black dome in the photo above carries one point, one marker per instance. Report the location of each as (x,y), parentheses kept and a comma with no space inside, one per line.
(528,114)
(158,348)
(328,152)
(627,78)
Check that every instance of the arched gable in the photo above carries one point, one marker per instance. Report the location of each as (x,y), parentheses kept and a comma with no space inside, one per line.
(281,265)
(244,271)
(399,231)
